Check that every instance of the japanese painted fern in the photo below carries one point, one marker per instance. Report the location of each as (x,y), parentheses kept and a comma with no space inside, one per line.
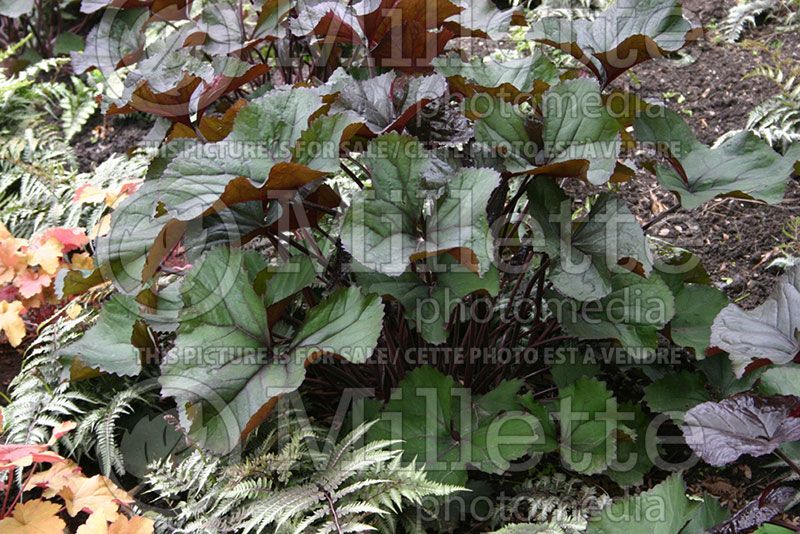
(286,486)
(40,399)
(747,13)
(39,114)
(777,120)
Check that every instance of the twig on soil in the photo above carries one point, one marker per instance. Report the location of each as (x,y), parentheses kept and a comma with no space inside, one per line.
(660,217)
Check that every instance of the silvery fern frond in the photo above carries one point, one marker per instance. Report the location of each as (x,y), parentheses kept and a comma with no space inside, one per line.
(40,399)
(743,15)
(777,120)
(351,487)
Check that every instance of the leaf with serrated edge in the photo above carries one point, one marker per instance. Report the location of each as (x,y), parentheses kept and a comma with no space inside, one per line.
(460,222)
(665,509)
(228,393)
(35,515)
(522,75)
(256,155)
(584,260)
(633,457)
(387,102)
(579,129)
(484,19)
(633,313)
(427,408)
(587,443)
(578,136)
(107,344)
(721,432)
(626,34)
(381,228)
(676,392)
(118,36)
(696,307)
(742,165)
(428,308)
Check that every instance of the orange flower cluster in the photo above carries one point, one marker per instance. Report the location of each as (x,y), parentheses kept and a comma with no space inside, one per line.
(91,194)
(28,269)
(64,490)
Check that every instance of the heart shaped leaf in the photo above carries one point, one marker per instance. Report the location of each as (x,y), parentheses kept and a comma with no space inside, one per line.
(227,369)
(431,410)
(271,147)
(577,138)
(388,102)
(383,229)
(665,509)
(740,165)
(584,256)
(632,313)
(429,306)
(721,432)
(588,441)
(107,345)
(626,34)
(769,332)
(490,75)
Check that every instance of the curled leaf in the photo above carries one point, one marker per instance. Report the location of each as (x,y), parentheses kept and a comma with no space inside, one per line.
(758,511)
(769,332)
(388,102)
(740,165)
(721,432)
(626,34)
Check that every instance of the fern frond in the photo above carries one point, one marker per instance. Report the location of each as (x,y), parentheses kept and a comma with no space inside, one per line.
(98,429)
(743,15)
(351,488)
(15,47)
(532,528)
(43,66)
(777,120)
(38,167)
(40,399)
(549,504)
(570,9)
(74,103)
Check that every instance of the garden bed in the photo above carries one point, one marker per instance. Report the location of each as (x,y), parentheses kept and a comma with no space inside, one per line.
(223,334)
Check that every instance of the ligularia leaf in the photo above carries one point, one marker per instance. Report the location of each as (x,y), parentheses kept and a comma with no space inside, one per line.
(626,34)
(721,432)
(226,367)
(769,332)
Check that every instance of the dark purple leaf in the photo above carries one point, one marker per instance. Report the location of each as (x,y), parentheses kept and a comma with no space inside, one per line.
(721,432)
(390,101)
(331,20)
(757,511)
(441,123)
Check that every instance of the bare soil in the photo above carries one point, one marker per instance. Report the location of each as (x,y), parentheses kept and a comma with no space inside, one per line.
(10,362)
(737,240)
(104,136)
